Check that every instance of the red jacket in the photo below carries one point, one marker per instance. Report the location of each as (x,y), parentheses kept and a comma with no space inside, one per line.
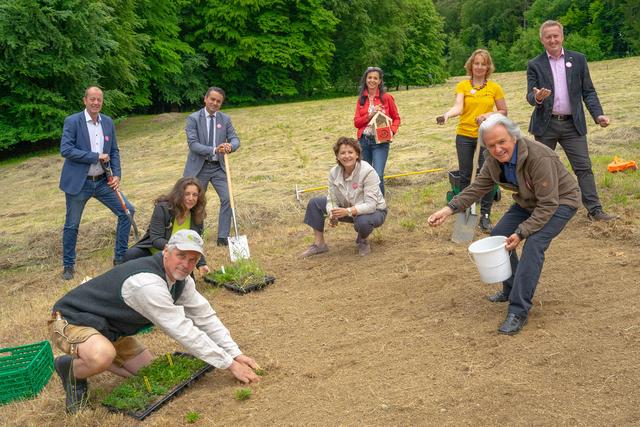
(361,119)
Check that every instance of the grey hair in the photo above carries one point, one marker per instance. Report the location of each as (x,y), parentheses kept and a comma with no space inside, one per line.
(551,23)
(495,120)
(170,248)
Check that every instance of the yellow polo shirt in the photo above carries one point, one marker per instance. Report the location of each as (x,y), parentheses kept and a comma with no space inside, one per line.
(479,102)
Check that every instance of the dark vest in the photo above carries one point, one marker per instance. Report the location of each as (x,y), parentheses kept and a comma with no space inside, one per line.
(98,303)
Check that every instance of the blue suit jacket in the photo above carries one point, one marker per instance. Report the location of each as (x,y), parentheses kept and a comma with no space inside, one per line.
(199,150)
(579,85)
(75,147)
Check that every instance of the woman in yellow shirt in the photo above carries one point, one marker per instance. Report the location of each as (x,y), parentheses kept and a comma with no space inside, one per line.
(475,101)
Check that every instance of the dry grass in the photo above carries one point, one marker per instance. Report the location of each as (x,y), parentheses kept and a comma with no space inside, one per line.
(285,145)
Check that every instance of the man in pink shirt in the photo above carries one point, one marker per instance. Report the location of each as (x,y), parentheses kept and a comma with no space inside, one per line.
(558,81)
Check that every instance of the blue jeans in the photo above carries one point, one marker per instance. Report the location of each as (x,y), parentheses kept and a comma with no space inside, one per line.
(522,284)
(75,206)
(376,155)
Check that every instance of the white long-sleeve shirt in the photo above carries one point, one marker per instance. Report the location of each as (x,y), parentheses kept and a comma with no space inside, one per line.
(191,320)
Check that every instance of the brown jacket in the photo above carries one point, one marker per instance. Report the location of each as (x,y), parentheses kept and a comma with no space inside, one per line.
(543,184)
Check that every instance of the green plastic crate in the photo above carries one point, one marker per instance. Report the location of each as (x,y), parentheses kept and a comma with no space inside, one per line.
(24,370)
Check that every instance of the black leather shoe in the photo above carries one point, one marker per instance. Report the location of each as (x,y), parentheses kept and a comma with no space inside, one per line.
(77,391)
(600,215)
(498,297)
(512,324)
(485,223)
(222,241)
(67,273)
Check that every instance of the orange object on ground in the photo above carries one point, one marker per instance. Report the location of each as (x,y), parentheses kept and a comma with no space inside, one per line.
(618,165)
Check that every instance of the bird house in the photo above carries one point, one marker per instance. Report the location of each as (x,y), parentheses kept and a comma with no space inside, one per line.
(382,127)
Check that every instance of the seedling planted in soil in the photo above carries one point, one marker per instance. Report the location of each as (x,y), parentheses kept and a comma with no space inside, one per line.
(192,417)
(243,393)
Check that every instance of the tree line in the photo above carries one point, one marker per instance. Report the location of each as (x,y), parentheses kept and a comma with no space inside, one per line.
(155,56)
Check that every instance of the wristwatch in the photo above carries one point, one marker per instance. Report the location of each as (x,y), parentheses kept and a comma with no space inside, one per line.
(349,212)
(518,232)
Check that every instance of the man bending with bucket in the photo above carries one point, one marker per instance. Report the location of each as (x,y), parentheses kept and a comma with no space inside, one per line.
(95,323)
(546,196)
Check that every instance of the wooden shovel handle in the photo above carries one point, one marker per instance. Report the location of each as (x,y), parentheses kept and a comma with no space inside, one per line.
(228,171)
(476,156)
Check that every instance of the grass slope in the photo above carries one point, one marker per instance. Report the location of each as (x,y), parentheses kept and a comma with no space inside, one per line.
(285,145)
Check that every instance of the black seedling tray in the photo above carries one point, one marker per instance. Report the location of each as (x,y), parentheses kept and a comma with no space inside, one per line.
(243,289)
(175,391)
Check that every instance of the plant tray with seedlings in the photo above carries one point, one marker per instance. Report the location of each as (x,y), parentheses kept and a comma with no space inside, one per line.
(156,384)
(243,276)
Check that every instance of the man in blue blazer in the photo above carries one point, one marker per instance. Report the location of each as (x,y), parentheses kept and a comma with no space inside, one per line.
(210,134)
(88,139)
(558,81)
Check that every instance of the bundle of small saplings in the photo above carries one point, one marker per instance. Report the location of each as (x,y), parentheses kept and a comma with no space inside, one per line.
(153,381)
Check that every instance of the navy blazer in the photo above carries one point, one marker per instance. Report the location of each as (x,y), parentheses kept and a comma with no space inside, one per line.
(579,85)
(75,147)
(199,149)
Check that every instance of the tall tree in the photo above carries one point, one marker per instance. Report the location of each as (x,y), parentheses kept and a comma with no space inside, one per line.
(50,50)
(403,37)
(264,48)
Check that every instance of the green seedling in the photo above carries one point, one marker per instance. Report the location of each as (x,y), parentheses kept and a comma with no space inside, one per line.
(408,224)
(192,417)
(243,393)
(260,372)
(152,382)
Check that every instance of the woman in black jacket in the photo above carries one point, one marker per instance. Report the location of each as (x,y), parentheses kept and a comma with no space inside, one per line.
(182,208)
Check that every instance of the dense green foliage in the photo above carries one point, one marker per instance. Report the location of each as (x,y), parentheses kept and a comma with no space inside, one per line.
(601,29)
(161,55)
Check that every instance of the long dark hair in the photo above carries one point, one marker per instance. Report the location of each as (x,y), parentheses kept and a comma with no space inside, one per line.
(175,200)
(363,83)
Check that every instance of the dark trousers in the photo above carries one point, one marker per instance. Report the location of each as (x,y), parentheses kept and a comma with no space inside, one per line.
(522,284)
(465,147)
(363,224)
(214,173)
(577,150)
(134,252)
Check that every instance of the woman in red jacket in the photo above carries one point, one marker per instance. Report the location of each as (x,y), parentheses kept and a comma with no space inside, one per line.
(374,98)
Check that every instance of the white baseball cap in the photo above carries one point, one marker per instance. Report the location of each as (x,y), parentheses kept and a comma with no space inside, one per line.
(187,240)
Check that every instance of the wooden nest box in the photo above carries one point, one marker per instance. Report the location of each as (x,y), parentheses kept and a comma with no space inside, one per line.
(382,127)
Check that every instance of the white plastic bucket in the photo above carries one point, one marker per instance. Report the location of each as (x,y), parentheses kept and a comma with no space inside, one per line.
(491,258)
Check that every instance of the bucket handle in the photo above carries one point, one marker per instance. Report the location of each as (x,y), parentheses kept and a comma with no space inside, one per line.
(474,263)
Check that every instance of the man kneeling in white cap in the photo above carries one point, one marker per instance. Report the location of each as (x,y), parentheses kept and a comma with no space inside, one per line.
(95,323)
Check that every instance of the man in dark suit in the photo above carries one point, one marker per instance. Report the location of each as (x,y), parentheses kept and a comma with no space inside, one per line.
(88,139)
(557,82)
(210,135)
